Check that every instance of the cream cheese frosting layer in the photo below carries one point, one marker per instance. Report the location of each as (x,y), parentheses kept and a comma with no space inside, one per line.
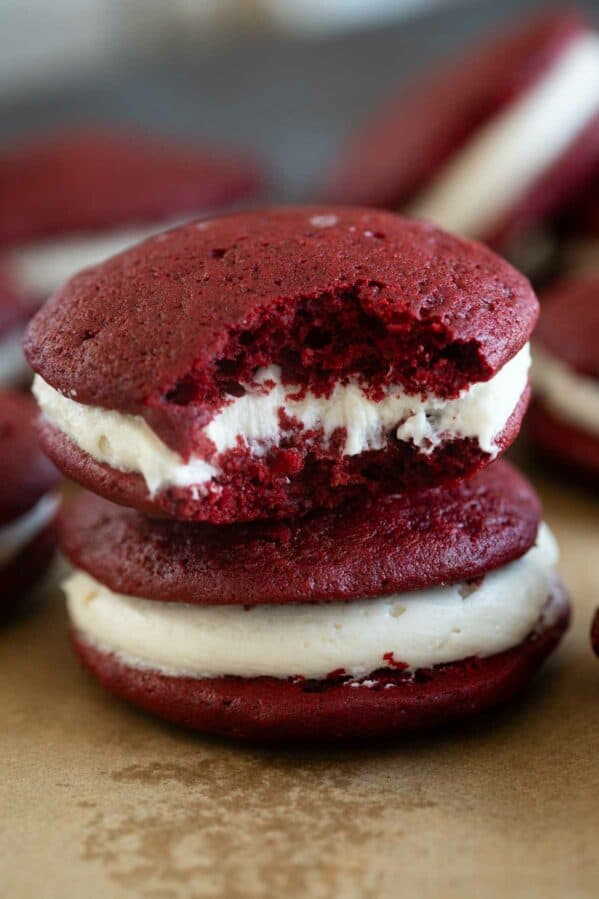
(15,536)
(505,158)
(572,397)
(420,629)
(13,366)
(126,442)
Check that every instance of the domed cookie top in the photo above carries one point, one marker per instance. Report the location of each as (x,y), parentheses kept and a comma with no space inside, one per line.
(266,363)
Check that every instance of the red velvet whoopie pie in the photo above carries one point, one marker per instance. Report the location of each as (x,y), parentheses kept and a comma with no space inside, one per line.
(265,364)
(386,616)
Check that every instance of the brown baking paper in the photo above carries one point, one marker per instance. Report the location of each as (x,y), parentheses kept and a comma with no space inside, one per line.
(99,801)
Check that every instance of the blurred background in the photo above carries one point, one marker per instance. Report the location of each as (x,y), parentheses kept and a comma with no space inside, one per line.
(284,78)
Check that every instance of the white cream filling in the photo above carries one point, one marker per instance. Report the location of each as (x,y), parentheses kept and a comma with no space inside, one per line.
(40,268)
(127,443)
(421,629)
(13,367)
(16,535)
(570,396)
(509,154)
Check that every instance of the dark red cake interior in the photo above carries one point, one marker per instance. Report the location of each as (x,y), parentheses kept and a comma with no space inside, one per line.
(321,340)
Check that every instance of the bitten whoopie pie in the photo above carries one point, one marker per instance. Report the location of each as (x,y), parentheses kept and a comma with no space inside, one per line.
(28,501)
(14,371)
(564,420)
(73,198)
(384,616)
(492,144)
(264,364)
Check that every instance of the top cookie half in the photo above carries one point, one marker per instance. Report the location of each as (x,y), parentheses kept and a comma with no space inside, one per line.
(264,364)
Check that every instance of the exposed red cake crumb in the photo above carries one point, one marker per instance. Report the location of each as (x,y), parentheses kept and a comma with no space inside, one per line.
(389,658)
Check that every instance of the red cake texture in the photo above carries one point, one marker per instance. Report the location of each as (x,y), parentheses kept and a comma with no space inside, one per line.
(366,548)
(94,178)
(413,135)
(269,709)
(26,472)
(171,328)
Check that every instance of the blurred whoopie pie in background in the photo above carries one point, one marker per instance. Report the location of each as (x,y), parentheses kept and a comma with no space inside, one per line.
(72,198)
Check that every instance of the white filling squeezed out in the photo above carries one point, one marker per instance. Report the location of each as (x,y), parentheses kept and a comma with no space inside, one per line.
(127,443)
(421,629)
(508,155)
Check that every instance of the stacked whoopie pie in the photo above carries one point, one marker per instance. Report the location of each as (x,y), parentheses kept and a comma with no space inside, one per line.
(295,410)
